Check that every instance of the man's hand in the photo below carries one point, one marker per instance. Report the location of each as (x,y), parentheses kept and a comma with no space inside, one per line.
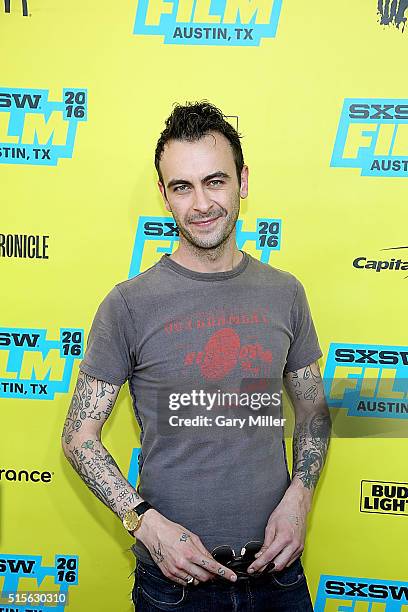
(285,531)
(178,552)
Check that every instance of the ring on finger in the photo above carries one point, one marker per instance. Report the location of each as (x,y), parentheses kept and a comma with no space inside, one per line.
(189,579)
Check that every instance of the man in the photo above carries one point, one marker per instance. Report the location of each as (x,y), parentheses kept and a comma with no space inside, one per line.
(207,322)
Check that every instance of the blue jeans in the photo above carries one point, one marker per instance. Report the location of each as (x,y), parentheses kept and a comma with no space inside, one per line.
(284,591)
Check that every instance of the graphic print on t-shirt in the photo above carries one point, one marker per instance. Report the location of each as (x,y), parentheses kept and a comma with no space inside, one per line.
(225,349)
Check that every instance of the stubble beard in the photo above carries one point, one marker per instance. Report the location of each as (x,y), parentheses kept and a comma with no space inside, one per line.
(214,244)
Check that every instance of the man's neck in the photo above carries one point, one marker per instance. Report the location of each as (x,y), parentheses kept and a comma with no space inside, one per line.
(208,260)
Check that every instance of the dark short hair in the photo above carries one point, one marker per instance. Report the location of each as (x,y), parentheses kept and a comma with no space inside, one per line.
(194,120)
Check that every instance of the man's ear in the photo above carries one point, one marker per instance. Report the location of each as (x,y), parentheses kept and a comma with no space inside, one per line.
(243,192)
(163,194)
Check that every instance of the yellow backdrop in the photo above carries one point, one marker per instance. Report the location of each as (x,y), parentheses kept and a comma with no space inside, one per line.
(317,89)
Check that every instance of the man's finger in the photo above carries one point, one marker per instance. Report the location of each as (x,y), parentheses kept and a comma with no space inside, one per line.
(194,571)
(270,535)
(206,562)
(221,571)
(281,561)
(268,555)
(293,559)
(224,572)
(260,563)
(211,565)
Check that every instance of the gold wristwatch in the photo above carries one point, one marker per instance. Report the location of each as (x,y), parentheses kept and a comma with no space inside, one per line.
(133,518)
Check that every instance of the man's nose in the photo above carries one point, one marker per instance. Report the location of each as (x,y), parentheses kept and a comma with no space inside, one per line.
(201,201)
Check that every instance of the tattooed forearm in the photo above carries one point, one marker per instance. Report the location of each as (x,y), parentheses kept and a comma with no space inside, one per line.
(84,449)
(102,475)
(310,444)
(312,431)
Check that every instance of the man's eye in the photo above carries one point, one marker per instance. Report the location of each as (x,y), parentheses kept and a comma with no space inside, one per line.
(180,187)
(216,182)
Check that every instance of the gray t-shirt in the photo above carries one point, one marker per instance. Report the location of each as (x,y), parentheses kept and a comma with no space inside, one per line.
(172,330)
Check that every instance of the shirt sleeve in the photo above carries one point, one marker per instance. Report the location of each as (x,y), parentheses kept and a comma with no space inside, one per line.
(109,355)
(304,348)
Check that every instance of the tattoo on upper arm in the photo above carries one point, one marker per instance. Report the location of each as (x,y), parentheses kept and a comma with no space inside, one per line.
(83,406)
(308,386)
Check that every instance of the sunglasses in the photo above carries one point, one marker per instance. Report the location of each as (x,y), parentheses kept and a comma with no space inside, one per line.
(239,563)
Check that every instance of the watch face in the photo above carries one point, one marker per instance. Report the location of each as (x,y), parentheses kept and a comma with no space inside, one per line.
(131,520)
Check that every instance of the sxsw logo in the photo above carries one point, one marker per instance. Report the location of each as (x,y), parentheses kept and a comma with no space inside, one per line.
(160,235)
(34,367)
(37,131)
(208,22)
(373,135)
(368,380)
(341,593)
(17,571)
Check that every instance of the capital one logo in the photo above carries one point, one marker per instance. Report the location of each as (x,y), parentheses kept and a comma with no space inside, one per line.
(208,22)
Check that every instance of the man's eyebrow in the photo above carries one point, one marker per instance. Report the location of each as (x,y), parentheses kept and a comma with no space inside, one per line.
(209,177)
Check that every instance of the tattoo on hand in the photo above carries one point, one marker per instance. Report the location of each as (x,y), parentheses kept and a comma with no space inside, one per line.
(293,518)
(184,537)
(158,553)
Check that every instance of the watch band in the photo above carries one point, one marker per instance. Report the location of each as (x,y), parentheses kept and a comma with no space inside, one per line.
(142,507)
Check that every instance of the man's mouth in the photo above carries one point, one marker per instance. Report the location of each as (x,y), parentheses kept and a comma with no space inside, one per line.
(205,222)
